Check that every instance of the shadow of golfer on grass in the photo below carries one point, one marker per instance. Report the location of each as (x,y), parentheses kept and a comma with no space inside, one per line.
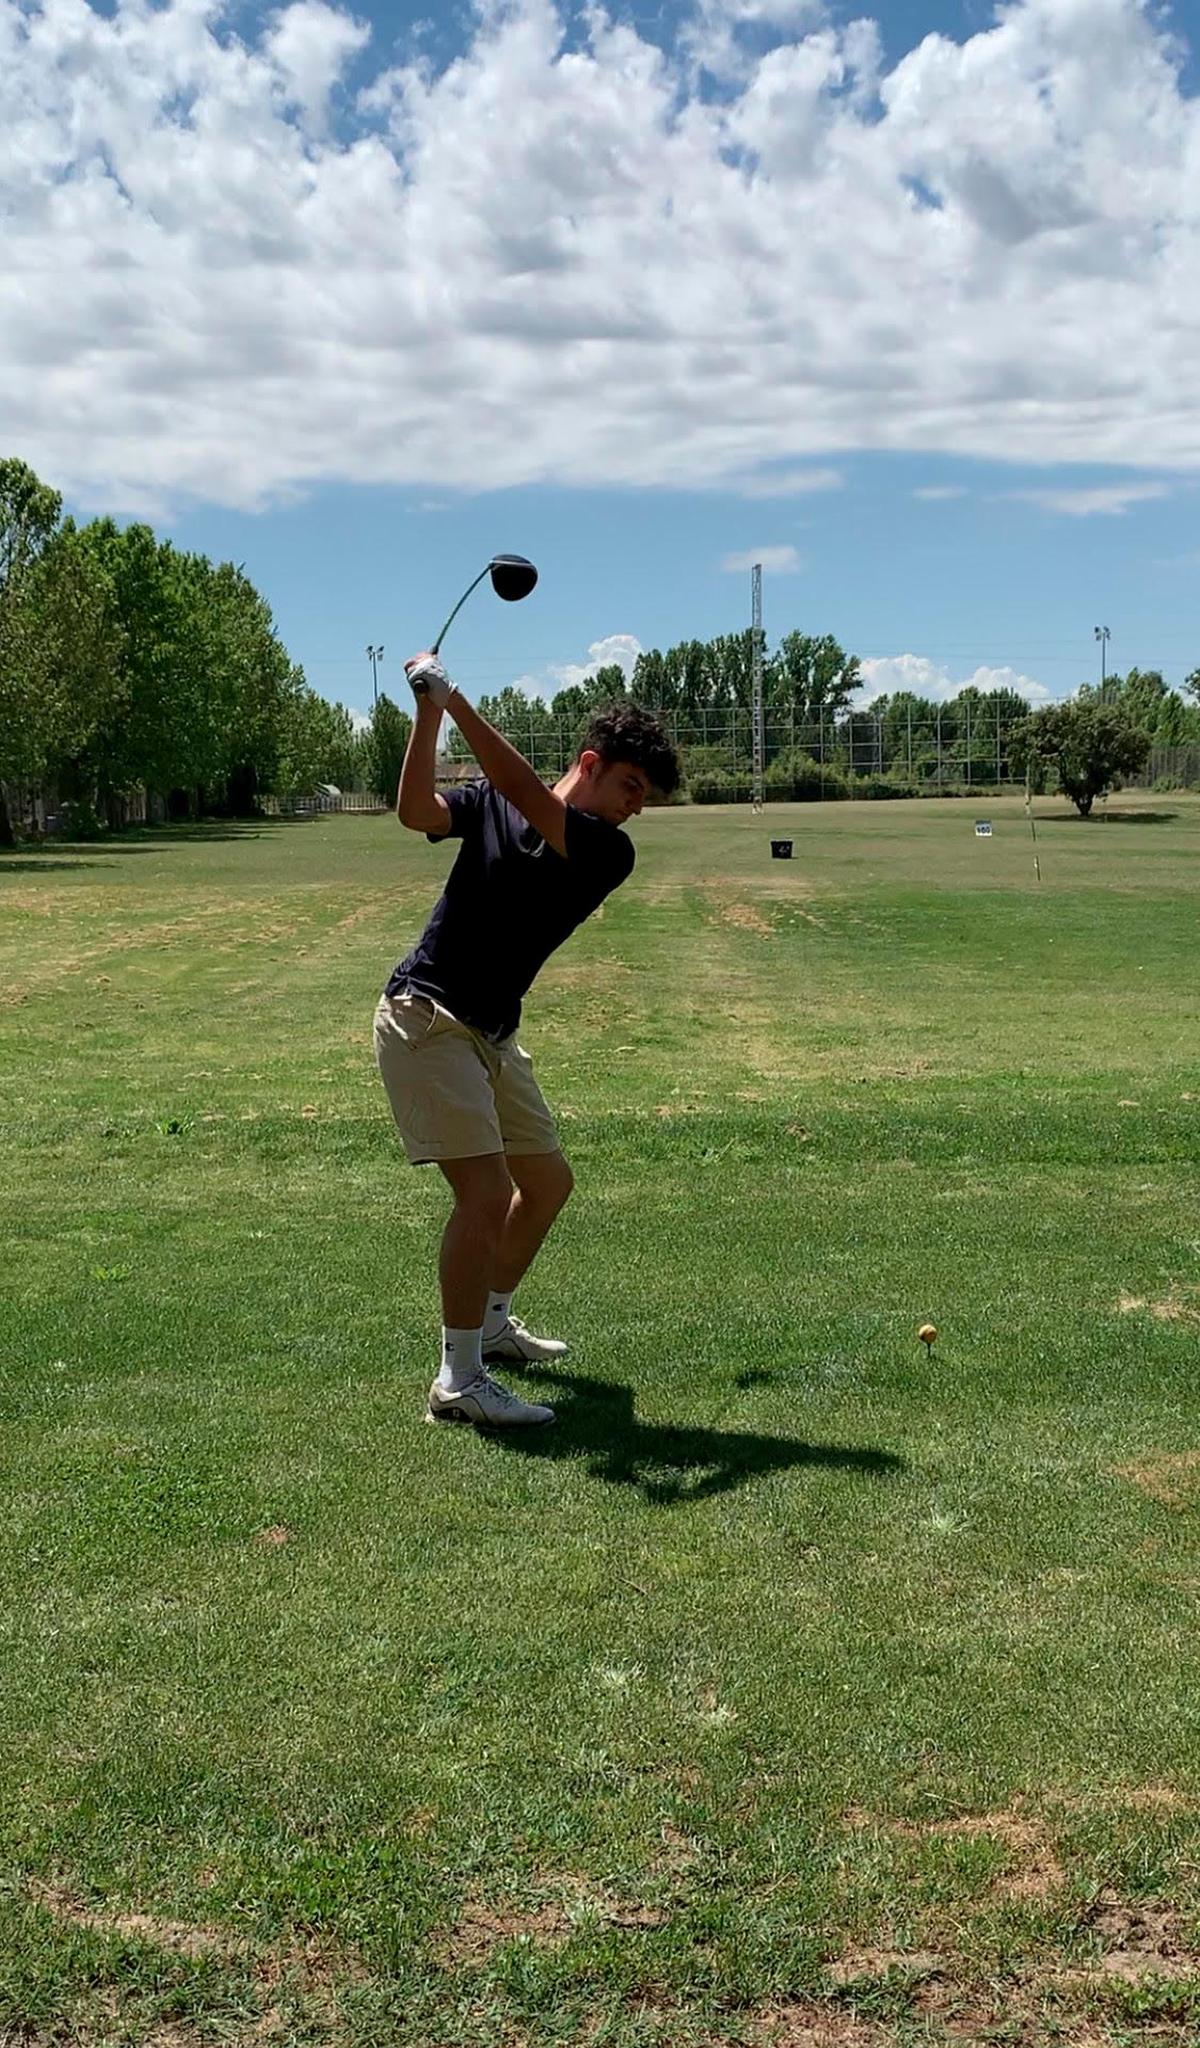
(667,1463)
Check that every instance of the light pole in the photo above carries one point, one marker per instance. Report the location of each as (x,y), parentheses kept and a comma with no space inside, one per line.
(1100,633)
(374,656)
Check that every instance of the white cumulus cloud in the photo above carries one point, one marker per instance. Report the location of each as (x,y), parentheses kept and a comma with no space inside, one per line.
(889,674)
(246,253)
(618,650)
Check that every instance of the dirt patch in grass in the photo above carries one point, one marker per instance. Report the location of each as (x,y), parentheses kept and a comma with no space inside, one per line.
(1158,1798)
(1030,2013)
(1172,1478)
(680,1852)
(743,916)
(722,908)
(1033,1870)
(176,1936)
(884,1962)
(379,906)
(311,1969)
(1174,1307)
(1146,1939)
(809,2025)
(481,1928)
(149,938)
(947,2009)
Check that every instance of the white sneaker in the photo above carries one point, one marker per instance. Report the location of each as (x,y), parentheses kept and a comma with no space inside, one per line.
(486,1405)
(518,1346)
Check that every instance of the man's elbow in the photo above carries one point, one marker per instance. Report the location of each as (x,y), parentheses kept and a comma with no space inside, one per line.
(418,816)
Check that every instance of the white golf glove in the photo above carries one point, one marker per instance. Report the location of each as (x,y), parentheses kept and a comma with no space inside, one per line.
(428,678)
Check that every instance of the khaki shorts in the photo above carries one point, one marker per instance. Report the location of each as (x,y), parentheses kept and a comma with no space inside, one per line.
(454,1094)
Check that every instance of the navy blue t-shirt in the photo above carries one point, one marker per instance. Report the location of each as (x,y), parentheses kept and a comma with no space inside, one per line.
(509,901)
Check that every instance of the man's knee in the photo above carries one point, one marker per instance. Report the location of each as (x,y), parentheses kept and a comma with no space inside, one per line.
(482,1194)
(485,1213)
(545,1182)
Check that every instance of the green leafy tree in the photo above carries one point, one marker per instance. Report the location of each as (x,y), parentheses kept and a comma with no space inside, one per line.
(29,517)
(649,684)
(80,652)
(314,739)
(1088,744)
(527,721)
(1178,724)
(1141,694)
(385,744)
(249,674)
(578,701)
(813,678)
(207,683)
(906,723)
(344,759)
(155,738)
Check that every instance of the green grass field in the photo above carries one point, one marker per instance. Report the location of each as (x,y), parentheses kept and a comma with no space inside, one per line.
(799,1689)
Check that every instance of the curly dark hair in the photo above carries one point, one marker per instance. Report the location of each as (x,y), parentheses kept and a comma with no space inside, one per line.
(625,731)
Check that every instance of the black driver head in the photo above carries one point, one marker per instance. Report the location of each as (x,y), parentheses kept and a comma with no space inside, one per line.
(512,577)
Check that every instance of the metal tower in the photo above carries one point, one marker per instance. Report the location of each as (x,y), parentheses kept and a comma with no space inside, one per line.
(756,683)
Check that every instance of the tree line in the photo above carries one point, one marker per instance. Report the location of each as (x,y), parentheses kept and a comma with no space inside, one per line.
(817,744)
(128,665)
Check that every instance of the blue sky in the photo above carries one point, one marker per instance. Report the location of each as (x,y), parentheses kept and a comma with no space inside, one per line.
(906,305)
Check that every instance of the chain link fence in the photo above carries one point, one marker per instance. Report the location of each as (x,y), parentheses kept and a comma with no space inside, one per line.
(806,760)
(835,753)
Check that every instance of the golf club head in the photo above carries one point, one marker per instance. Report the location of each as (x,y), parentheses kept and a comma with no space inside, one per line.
(513,577)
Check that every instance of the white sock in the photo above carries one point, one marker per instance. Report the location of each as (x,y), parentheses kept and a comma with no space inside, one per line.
(462,1359)
(496,1316)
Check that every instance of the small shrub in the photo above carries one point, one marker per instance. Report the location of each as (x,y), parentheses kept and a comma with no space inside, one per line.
(795,777)
(718,786)
(79,819)
(881,787)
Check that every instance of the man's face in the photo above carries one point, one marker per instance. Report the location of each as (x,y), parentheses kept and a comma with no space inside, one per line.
(616,790)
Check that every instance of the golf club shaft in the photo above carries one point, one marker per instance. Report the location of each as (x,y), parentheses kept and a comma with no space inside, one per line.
(458,607)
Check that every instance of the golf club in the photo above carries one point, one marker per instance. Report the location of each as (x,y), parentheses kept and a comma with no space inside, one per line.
(512,578)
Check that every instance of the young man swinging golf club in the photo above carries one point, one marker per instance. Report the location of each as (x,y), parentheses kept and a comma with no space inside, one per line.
(534,863)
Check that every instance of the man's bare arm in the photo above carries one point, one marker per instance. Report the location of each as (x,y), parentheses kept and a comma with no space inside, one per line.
(507,770)
(418,804)
(510,773)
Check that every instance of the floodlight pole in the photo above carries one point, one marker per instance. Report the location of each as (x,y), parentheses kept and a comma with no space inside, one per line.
(1101,633)
(374,656)
(756,684)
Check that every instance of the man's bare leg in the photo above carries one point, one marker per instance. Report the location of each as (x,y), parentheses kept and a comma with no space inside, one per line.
(542,1183)
(483,1196)
(463,1391)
